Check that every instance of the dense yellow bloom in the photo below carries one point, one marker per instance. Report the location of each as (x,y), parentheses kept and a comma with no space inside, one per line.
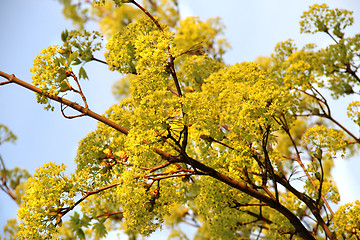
(184,110)
(42,198)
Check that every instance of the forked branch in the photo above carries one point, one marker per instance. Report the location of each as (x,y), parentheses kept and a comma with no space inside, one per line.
(62,211)
(73,105)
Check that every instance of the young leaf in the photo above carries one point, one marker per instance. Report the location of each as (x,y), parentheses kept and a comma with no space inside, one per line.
(73,56)
(76,61)
(82,73)
(64,86)
(75,44)
(86,55)
(64,35)
(100,230)
(80,233)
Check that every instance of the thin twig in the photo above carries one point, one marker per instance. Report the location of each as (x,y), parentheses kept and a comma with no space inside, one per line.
(172,176)
(267,160)
(80,91)
(327,32)
(3,178)
(69,117)
(100,61)
(3,83)
(109,214)
(64,211)
(4,186)
(324,100)
(298,159)
(173,91)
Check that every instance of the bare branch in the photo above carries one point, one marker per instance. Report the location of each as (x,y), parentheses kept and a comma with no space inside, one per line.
(160,166)
(110,214)
(100,61)
(64,211)
(64,101)
(173,91)
(148,14)
(69,117)
(298,159)
(71,74)
(3,83)
(4,186)
(173,176)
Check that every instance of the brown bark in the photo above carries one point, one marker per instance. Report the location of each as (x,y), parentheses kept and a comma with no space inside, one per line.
(85,111)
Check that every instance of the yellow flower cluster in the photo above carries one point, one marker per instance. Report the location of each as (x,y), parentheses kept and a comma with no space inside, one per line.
(320,136)
(197,37)
(118,3)
(46,193)
(141,46)
(346,221)
(46,71)
(353,111)
(322,19)
(52,66)
(237,119)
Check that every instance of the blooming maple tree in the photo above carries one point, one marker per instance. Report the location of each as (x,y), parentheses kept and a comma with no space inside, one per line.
(192,138)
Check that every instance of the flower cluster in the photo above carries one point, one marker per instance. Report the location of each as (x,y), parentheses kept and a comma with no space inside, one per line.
(322,19)
(46,193)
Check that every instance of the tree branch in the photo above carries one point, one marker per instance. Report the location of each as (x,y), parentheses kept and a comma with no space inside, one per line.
(302,231)
(298,159)
(267,160)
(64,211)
(75,106)
(109,214)
(309,203)
(100,61)
(4,186)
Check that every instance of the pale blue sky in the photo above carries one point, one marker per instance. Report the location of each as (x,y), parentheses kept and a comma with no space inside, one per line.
(28,26)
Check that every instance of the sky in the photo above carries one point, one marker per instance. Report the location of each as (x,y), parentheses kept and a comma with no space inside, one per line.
(253,28)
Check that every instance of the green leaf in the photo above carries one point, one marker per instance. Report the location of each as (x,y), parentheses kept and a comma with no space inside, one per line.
(61,77)
(100,230)
(65,52)
(85,221)
(64,86)
(87,55)
(77,61)
(318,153)
(82,73)
(75,44)
(57,62)
(64,35)
(6,135)
(73,56)
(53,213)
(80,233)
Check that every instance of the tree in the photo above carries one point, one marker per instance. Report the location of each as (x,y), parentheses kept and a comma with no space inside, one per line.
(194,138)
